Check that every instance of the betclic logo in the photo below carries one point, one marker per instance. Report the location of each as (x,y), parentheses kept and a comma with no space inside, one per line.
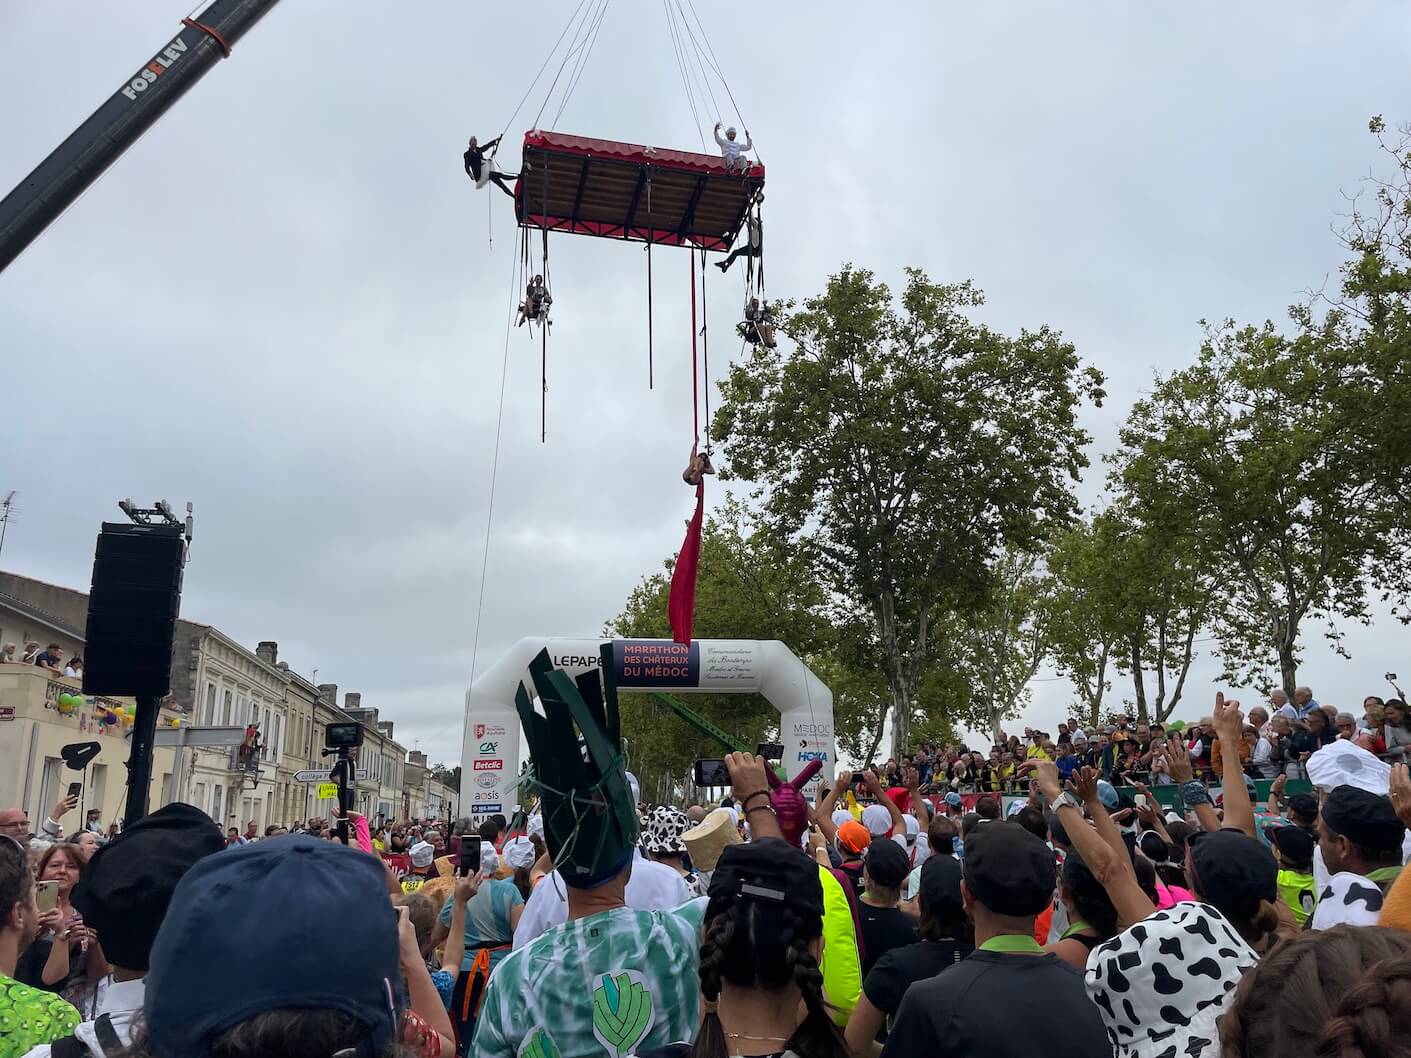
(487,765)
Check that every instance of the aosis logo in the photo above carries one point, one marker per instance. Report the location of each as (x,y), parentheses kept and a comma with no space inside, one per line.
(159,65)
(487,782)
(486,797)
(489,747)
(487,765)
(814,754)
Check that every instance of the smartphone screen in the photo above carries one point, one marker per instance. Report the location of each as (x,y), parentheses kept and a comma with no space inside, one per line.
(1140,800)
(712,772)
(46,896)
(75,788)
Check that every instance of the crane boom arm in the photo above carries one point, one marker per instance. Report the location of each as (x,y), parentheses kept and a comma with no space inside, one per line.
(75,164)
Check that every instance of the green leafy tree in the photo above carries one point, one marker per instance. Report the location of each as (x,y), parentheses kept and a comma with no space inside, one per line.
(1251,443)
(903,446)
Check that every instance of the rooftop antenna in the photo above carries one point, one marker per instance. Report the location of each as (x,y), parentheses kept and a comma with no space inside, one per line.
(7,511)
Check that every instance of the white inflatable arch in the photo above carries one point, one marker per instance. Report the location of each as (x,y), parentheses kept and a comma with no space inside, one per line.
(491,741)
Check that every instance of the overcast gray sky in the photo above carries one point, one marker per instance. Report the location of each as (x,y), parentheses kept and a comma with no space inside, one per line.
(282,303)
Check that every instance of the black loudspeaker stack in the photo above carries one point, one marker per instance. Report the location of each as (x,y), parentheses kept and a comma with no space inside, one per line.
(132,609)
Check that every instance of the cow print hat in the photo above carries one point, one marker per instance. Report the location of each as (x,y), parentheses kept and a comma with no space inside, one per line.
(662,828)
(1162,984)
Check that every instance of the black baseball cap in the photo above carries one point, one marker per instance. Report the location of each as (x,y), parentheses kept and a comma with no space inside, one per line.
(129,882)
(1294,843)
(887,862)
(940,884)
(1305,806)
(769,870)
(335,947)
(1009,870)
(1366,819)
(1233,871)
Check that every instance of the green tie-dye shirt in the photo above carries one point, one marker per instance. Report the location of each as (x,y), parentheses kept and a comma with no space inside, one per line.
(598,987)
(30,1017)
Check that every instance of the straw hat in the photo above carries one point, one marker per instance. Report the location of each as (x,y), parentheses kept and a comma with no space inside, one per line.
(707,839)
(438,890)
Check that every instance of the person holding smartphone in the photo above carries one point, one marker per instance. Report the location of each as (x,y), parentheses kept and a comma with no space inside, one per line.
(65,953)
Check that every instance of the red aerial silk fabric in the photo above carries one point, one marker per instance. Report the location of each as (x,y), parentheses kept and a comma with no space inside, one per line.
(681,604)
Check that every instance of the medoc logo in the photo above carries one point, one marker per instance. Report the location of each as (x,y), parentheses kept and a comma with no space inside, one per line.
(487,765)
(816,730)
(160,64)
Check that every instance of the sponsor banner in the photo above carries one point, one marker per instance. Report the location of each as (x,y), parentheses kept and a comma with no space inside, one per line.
(495,764)
(482,795)
(488,808)
(806,755)
(489,749)
(819,730)
(730,665)
(489,731)
(656,663)
(487,782)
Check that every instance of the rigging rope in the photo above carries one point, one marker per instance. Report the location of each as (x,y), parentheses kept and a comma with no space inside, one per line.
(494,475)
(705,346)
(651,237)
(572,51)
(700,61)
(681,67)
(582,63)
(547,59)
(695,384)
(715,65)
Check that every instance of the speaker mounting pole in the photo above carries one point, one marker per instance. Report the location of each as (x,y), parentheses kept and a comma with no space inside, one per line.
(137,575)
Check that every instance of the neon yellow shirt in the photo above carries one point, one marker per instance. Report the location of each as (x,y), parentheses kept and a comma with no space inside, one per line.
(842,969)
(1297,890)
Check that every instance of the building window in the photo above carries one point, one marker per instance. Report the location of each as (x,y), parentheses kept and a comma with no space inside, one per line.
(225,711)
(208,714)
(201,796)
(217,793)
(278,731)
(265,727)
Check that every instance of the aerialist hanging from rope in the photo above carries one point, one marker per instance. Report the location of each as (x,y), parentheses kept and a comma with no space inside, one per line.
(482,169)
(697,466)
(754,239)
(732,151)
(537,300)
(758,324)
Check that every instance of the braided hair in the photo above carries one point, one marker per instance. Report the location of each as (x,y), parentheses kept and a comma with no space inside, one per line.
(1374,1018)
(753,944)
(1283,1004)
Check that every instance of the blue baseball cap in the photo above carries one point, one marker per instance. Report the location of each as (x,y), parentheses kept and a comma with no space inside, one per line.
(953,799)
(290,923)
(1107,793)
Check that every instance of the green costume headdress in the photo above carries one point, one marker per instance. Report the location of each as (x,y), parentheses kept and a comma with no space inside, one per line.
(577,769)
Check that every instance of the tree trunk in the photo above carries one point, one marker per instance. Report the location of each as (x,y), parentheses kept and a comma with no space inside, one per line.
(1138,677)
(1288,666)
(901,718)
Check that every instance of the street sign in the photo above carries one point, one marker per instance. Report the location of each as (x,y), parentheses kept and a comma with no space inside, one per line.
(206,737)
(314,775)
(7,712)
(328,791)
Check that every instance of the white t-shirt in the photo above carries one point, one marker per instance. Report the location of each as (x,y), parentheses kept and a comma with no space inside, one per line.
(650,887)
(121,1001)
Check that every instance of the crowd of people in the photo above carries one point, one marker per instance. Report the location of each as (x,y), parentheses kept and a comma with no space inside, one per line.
(50,658)
(1276,739)
(875,916)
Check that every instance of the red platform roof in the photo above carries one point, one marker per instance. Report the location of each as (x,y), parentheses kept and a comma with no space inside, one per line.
(629,191)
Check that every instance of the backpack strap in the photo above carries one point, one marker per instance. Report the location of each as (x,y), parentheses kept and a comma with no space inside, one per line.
(108,1036)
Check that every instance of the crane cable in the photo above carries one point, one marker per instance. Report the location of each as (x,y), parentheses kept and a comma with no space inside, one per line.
(494,473)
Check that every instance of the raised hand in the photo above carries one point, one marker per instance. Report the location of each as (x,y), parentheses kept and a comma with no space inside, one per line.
(1048,781)
(1229,721)
(1178,761)
(1084,784)
(1400,791)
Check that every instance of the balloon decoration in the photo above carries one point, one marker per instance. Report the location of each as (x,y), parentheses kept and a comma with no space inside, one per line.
(107,717)
(68,703)
(1177,725)
(129,715)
